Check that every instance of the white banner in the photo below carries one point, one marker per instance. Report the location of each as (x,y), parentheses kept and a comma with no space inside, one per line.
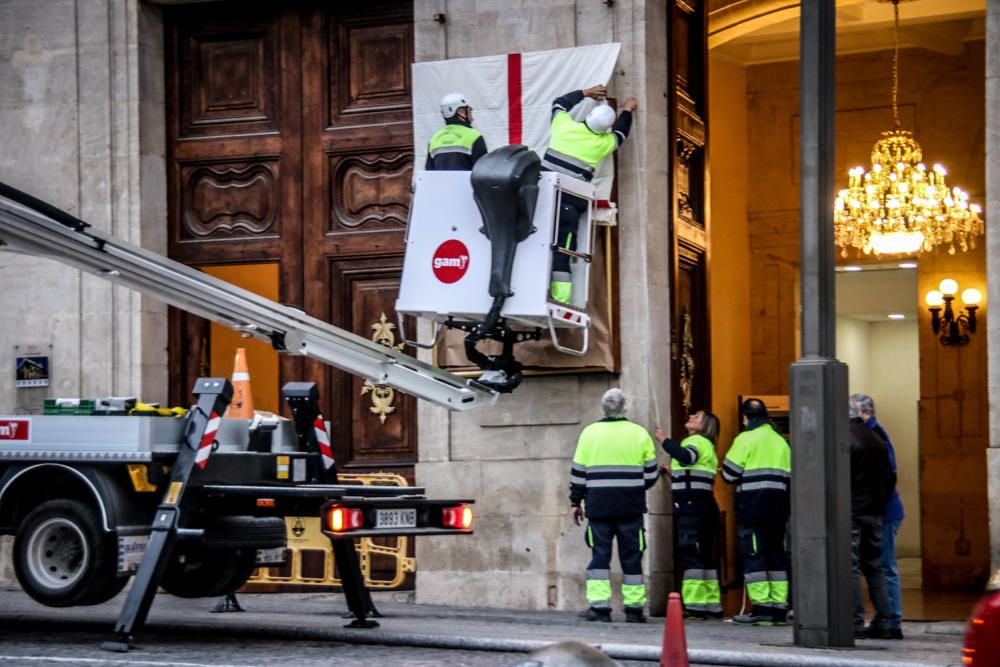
(511,96)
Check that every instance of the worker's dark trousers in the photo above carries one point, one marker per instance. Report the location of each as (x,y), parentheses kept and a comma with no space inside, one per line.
(765,567)
(631,538)
(866,551)
(696,538)
(570,210)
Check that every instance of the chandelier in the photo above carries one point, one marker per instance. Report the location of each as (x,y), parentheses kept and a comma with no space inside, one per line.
(901,206)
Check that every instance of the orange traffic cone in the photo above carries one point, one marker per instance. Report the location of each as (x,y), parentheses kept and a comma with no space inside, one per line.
(675,652)
(241,407)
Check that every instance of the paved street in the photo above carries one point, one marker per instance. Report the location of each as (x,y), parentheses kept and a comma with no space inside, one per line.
(307,629)
(48,649)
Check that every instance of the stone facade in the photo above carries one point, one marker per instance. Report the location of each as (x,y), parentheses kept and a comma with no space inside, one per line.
(515,458)
(82,127)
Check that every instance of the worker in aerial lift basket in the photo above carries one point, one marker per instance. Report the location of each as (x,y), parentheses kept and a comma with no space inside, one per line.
(456,146)
(576,149)
(613,466)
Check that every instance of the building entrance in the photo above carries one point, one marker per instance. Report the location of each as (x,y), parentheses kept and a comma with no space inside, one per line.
(289,163)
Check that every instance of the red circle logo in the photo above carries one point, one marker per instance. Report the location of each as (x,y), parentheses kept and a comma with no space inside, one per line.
(451,261)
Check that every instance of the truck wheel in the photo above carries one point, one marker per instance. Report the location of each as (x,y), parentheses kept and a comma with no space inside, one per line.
(195,571)
(62,558)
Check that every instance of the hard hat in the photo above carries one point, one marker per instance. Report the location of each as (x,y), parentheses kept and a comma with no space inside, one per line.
(600,119)
(451,103)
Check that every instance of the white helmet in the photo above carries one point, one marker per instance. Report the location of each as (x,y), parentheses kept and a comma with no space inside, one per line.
(600,119)
(451,103)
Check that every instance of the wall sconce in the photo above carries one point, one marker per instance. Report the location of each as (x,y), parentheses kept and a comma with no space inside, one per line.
(955,326)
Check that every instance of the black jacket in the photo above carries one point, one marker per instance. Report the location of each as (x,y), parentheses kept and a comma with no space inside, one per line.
(872,478)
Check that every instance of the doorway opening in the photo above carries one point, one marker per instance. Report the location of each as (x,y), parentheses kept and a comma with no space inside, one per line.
(877,337)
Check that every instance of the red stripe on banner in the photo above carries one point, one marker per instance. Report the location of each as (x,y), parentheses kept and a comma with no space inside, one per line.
(603,203)
(515,118)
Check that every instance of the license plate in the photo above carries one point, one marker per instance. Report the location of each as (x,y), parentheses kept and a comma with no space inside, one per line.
(396,518)
(276,556)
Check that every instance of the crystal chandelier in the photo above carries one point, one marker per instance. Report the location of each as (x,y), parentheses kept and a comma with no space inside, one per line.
(901,206)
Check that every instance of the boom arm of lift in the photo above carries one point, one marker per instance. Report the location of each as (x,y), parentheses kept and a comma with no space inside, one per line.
(35,227)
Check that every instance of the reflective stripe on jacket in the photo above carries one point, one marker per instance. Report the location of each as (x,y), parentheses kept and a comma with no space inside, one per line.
(574,149)
(454,148)
(614,464)
(760,464)
(692,483)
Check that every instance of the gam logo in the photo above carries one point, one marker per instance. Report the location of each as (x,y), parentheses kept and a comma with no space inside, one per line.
(451,261)
(15,429)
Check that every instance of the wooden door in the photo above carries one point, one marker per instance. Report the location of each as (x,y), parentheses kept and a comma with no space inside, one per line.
(688,86)
(358,152)
(290,141)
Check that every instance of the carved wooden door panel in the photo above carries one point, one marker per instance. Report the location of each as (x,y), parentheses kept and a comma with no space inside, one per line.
(357,134)
(234,154)
(688,86)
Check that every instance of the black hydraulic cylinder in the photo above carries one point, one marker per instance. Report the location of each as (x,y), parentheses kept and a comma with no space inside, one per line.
(505,186)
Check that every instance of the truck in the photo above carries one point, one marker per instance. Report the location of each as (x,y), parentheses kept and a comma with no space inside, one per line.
(193,503)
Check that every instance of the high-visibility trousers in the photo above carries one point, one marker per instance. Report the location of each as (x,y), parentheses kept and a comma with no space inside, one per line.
(765,567)
(631,536)
(696,539)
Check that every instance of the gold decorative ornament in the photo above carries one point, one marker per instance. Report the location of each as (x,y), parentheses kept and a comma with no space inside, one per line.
(900,206)
(382,396)
(686,362)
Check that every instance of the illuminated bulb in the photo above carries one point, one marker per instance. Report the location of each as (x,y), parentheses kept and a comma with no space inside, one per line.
(852,268)
(971,297)
(948,287)
(897,243)
(907,265)
(934,298)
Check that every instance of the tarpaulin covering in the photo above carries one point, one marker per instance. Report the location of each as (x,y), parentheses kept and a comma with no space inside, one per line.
(511,96)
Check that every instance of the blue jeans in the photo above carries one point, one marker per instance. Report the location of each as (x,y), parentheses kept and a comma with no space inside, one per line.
(889,531)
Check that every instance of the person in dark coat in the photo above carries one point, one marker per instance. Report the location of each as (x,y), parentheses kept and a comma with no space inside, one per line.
(872,483)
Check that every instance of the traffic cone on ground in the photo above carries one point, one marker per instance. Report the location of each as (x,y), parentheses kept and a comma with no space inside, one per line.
(241,407)
(675,652)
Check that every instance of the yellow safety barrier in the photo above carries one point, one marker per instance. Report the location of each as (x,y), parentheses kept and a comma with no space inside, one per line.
(311,562)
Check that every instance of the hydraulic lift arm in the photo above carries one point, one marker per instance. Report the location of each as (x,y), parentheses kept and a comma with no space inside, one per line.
(32,226)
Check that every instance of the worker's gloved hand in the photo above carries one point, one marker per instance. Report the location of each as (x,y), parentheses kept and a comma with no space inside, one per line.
(577,514)
(630,104)
(596,92)
(659,434)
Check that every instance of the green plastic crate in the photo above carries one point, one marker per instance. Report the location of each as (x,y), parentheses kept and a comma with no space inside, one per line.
(68,406)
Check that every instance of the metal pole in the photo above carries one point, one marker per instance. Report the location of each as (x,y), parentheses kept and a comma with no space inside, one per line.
(821,536)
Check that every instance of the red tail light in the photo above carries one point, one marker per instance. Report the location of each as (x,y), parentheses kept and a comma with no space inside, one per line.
(982,638)
(459,517)
(342,519)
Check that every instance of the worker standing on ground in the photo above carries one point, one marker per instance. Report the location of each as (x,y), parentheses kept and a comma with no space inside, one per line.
(692,482)
(457,145)
(759,464)
(891,520)
(577,149)
(614,464)
(872,483)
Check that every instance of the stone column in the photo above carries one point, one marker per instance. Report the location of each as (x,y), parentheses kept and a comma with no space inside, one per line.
(83,110)
(821,538)
(993,268)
